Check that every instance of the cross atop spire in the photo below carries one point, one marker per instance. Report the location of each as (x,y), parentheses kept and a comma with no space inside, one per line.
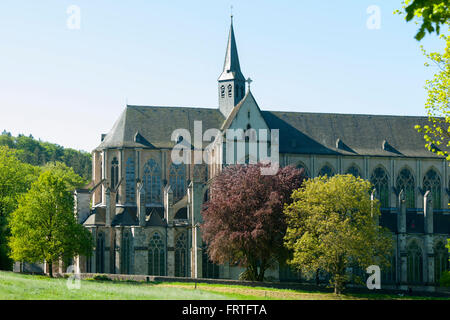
(249,82)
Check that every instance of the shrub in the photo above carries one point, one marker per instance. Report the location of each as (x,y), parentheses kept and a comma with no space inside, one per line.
(99,277)
(445,279)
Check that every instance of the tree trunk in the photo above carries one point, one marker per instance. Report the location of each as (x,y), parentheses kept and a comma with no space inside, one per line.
(261,275)
(50,269)
(336,288)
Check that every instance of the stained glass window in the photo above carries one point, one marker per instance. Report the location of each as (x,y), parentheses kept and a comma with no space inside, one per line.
(114,172)
(432,182)
(380,180)
(405,182)
(152,182)
(353,170)
(156,256)
(177,180)
(181,256)
(126,253)
(415,263)
(326,170)
(100,253)
(130,181)
(441,262)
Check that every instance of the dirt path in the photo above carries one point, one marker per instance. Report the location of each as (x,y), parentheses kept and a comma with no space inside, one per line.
(262,294)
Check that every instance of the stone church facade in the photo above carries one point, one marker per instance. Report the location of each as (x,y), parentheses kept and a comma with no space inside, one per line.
(144,210)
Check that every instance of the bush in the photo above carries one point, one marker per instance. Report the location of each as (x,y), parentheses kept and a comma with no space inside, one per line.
(445,279)
(99,277)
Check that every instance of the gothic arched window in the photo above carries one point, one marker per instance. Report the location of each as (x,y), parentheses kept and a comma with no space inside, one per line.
(380,180)
(130,181)
(354,170)
(152,182)
(388,275)
(441,262)
(200,173)
(326,170)
(432,182)
(181,256)
(177,178)
(100,253)
(222,91)
(230,91)
(405,182)
(156,256)
(302,166)
(114,172)
(414,263)
(126,253)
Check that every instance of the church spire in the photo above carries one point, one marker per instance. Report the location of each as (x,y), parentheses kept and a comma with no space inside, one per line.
(231,66)
(231,80)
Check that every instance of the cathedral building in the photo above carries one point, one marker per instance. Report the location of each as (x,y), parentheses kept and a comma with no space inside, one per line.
(144,210)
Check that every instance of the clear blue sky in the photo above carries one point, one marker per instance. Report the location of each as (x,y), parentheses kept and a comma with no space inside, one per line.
(69,86)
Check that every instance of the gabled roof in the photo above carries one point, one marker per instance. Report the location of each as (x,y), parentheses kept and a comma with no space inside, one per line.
(248,98)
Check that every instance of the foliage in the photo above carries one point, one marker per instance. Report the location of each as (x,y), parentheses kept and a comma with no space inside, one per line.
(432,14)
(244,222)
(444,281)
(15,179)
(44,227)
(67,174)
(331,226)
(38,153)
(437,132)
(99,277)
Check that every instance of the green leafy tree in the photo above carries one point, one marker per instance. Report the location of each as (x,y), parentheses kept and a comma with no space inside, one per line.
(15,179)
(437,131)
(331,226)
(44,227)
(38,153)
(431,15)
(71,179)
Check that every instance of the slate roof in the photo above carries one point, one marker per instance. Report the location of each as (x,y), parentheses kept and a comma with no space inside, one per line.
(156,124)
(155,217)
(318,133)
(300,132)
(126,216)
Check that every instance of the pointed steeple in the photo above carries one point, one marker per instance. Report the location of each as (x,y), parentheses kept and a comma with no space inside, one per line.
(231,66)
(231,80)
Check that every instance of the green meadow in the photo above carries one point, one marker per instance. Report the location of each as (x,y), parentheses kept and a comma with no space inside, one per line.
(15,286)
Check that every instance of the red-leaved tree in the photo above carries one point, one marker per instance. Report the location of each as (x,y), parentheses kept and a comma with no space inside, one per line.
(243,222)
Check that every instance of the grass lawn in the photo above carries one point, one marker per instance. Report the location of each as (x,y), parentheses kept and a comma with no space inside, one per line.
(24,287)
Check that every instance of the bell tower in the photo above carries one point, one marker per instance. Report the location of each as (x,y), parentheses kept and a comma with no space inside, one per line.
(231,81)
